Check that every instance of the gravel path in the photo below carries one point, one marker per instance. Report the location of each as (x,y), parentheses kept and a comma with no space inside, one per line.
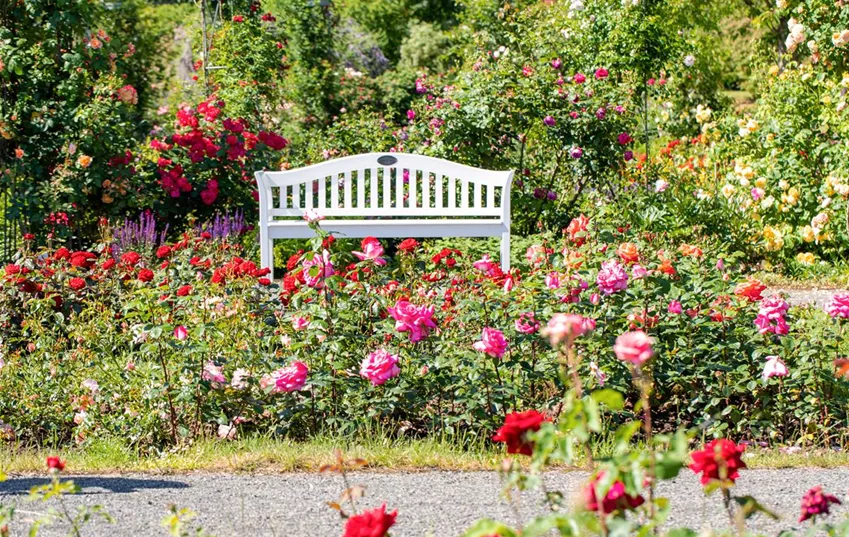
(816,297)
(428,503)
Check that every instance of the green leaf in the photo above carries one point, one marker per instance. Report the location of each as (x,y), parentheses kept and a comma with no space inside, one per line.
(611,398)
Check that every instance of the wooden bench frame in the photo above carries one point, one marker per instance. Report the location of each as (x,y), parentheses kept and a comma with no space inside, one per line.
(385,195)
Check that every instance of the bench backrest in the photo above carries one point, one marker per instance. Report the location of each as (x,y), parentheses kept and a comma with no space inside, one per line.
(385,184)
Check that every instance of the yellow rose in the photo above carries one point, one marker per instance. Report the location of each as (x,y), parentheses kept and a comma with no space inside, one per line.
(760,182)
(774,239)
(773,70)
(806,258)
(808,234)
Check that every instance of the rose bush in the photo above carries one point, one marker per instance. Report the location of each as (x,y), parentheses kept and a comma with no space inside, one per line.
(181,338)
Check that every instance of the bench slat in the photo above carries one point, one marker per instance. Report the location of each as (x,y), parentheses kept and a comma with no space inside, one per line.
(373,198)
(322,194)
(334,191)
(361,189)
(437,183)
(348,180)
(387,188)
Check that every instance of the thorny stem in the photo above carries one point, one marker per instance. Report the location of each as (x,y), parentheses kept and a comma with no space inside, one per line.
(644,381)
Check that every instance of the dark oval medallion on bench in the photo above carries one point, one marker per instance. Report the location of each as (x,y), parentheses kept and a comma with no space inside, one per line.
(387,160)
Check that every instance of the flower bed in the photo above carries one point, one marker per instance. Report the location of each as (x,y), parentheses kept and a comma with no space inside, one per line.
(192,339)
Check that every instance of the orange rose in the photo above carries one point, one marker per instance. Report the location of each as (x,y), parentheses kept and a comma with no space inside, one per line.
(689,249)
(19,153)
(750,290)
(84,161)
(666,267)
(628,252)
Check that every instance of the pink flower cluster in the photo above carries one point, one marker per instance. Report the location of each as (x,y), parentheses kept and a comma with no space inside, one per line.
(527,323)
(770,317)
(417,320)
(380,366)
(492,342)
(612,277)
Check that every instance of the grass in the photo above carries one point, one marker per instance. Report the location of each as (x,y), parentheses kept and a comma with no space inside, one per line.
(820,280)
(264,455)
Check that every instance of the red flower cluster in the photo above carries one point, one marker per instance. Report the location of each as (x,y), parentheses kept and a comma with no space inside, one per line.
(372,523)
(447,254)
(516,426)
(720,460)
(239,268)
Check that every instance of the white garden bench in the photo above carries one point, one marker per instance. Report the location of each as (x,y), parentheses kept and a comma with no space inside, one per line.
(385,195)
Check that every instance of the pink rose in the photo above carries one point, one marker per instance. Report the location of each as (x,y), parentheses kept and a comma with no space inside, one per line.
(552,280)
(485,265)
(288,379)
(492,342)
(315,278)
(527,323)
(774,367)
(595,298)
(634,347)
(638,271)
(612,277)
(213,373)
(579,78)
(379,366)
(839,306)
(566,327)
(300,323)
(601,73)
(675,307)
(181,333)
(417,320)
(372,250)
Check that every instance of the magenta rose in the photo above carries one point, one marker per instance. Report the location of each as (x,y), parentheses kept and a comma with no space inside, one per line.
(492,342)
(417,320)
(291,378)
(379,366)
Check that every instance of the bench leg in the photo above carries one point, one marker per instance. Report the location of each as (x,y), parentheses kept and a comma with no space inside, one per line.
(266,252)
(505,251)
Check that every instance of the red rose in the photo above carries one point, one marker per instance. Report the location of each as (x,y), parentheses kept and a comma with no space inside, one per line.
(163,251)
(55,463)
(185,290)
(76,284)
(130,258)
(13,269)
(616,498)
(62,253)
(264,281)
(516,425)
(108,264)
(815,502)
(720,460)
(83,259)
(373,523)
(294,260)
(145,275)
(408,246)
